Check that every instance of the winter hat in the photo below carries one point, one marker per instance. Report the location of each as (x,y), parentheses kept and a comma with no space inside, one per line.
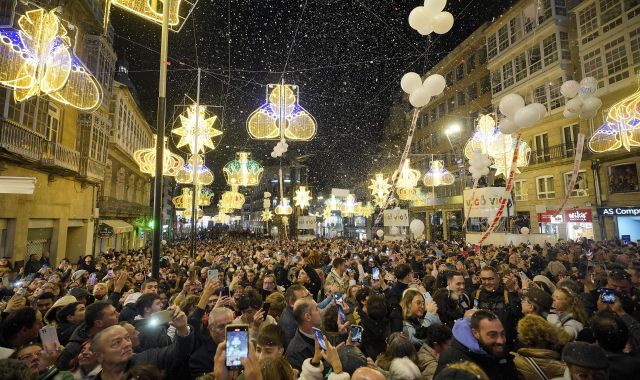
(352,358)
(539,298)
(545,280)
(61,302)
(78,274)
(556,267)
(585,355)
(404,369)
(455,374)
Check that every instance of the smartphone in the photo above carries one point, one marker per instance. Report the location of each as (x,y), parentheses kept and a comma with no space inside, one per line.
(320,338)
(356,334)
(93,278)
(375,273)
(337,297)
(224,292)
(475,304)
(237,338)
(161,317)
(110,272)
(341,314)
(49,338)
(212,274)
(608,296)
(523,276)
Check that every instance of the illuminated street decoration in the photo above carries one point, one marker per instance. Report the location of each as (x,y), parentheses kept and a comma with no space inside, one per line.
(266,215)
(437,175)
(421,199)
(221,218)
(348,208)
(187,213)
(232,199)
(500,147)
(302,197)
(327,212)
(367,210)
(183,201)
(332,203)
(151,10)
(38,60)
(243,171)
(407,181)
(205,130)
(284,208)
(281,117)
(380,189)
(146,159)
(621,128)
(186,174)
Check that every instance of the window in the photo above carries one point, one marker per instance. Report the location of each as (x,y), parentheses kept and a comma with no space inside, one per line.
(565,53)
(630,4)
(472,91)
(521,67)
(545,187)
(592,62)
(451,105)
(503,38)
(556,99)
(101,60)
(460,72)
(52,129)
(514,29)
(507,74)
(471,63)
(461,98)
(535,63)
(529,17)
(449,77)
(544,10)
(492,47)
(482,55)
(550,49)
(588,20)
(540,95)
(541,148)
(560,7)
(440,110)
(485,84)
(634,42)
(496,82)
(615,54)
(580,188)
(623,178)
(520,190)
(570,138)
(609,9)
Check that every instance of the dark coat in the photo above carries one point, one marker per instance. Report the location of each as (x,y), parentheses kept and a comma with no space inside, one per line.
(65,331)
(288,324)
(201,360)
(509,312)
(623,366)
(394,296)
(450,310)
(374,334)
(299,349)
(128,313)
(151,336)
(315,284)
(496,369)
(73,348)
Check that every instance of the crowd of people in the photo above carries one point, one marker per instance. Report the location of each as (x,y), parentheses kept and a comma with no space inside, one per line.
(336,309)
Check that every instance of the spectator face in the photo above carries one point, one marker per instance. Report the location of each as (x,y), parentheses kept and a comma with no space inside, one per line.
(109,316)
(560,301)
(139,277)
(490,280)
(31,356)
(621,286)
(579,373)
(456,285)
(115,347)
(134,335)
(303,277)
(100,290)
(527,308)
(251,276)
(217,326)
(268,284)
(417,306)
(78,316)
(87,358)
(491,337)
(156,306)
(44,304)
(150,287)
(265,352)
(314,312)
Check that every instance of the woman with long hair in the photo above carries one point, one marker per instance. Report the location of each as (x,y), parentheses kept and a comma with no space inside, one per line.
(568,311)
(417,313)
(398,346)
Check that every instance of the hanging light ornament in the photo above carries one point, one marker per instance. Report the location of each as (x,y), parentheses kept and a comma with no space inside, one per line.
(367,210)
(183,201)
(438,175)
(380,189)
(332,203)
(302,197)
(146,159)
(421,199)
(187,213)
(243,171)
(348,208)
(621,128)
(407,181)
(284,208)
(327,212)
(186,174)
(221,218)
(151,10)
(38,60)
(197,115)
(266,215)
(232,199)
(502,163)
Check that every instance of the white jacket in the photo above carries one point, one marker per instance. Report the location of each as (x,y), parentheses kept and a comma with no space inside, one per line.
(566,321)
(310,372)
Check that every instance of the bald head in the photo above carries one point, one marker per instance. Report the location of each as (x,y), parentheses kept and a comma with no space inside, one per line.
(366,373)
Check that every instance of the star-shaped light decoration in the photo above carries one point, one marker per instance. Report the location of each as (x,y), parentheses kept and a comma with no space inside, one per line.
(332,203)
(348,208)
(367,210)
(266,215)
(380,189)
(438,175)
(205,131)
(327,212)
(302,198)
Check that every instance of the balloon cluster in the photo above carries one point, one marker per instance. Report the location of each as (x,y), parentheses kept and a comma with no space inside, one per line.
(583,103)
(479,164)
(416,227)
(420,93)
(280,149)
(518,115)
(431,18)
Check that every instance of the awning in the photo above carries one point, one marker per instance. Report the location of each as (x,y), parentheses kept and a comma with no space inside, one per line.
(118,226)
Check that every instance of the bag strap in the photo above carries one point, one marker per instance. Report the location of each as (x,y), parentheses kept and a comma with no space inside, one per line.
(506,297)
(536,367)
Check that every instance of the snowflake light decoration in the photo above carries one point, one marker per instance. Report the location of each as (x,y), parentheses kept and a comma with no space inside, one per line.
(205,130)
(621,128)
(38,60)
(146,159)
(284,208)
(437,175)
(186,174)
(302,198)
(266,215)
(327,212)
(243,171)
(179,10)
(380,189)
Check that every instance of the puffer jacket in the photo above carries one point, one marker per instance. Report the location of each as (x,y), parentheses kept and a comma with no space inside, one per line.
(427,362)
(566,321)
(548,361)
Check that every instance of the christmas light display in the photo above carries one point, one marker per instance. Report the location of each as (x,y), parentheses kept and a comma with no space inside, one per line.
(621,128)
(221,218)
(146,159)
(186,174)
(151,10)
(232,199)
(348,208)
(421,199)
(407,180)
(302,197)
(38,60)
(243,171)
(205,130)
(327,212)
(183,201)
(266,215)
(380,189)
(332,203)
(187,213)
(437,175)
(367,210)
(284,208)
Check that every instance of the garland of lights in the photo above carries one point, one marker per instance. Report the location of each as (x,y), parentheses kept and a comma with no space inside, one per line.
(146,159)
(38,60)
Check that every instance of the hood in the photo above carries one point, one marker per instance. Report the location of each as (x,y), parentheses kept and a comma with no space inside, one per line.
(462,333)
(539,353)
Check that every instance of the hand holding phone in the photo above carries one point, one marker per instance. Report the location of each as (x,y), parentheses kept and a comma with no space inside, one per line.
(320,339)
(237,345)
(212,274)
(356,334)
(161,317)
(49,338)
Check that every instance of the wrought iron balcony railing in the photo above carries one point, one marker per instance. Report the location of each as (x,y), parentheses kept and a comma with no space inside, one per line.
(21,141)
(55,154)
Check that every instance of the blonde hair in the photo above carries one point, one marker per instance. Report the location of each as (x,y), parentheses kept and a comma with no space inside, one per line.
(535,332)
(576,308)
(407,299)
(470,367)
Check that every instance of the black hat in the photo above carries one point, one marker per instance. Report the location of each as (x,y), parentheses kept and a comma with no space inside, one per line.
(539,298)
(585,355)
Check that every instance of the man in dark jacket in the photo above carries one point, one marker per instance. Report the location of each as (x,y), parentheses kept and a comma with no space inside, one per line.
(452,302)
(32,265)
(152,334)
(286,322)
(201,361)
(612,334)
(480,339)
(302,346)
(404,277)
(375,325)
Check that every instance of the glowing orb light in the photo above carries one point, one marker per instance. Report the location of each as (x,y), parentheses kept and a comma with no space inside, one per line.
(437,175)
(243,171)
(302,198)
(146,159)
(621,128)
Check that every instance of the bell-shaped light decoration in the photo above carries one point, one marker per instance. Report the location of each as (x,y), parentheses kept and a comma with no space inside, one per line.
(187,173)
(438,175)
(284,208)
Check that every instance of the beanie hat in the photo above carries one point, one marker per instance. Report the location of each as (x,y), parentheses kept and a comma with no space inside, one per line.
(585,355)
(78,274)
(539,298)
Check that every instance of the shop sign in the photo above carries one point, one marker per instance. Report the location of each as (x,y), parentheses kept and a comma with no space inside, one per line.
(550,217)
(485,202)
(105,231)
(619,211)
(396,218)
(306,222)
(578,216)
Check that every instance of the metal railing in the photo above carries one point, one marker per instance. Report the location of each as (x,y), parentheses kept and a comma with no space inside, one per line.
(91,169)
(553,153)
(21,141)
(113,207)
(54,154)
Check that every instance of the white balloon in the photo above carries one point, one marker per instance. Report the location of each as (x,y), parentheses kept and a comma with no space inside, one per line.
(435,84)
(410,82)
(420,18)
(569,115)
(588,87)
(420,97)
(510,104)
(442,22)
(507,127)
(435,6)
(416,227)
(542,110)
(570,88)
(591,104)
(526,116)
(574,105)
(380,233)
(426,31)
(586,115)
(524,230)
(273,154)
(395,230)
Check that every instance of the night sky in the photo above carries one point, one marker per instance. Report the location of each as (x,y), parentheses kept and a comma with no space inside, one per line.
(348,57)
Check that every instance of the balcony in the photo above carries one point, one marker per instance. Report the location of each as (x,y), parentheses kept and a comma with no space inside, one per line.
(92,170)
(21,141)
(119,209)
(60,157)
(554,153)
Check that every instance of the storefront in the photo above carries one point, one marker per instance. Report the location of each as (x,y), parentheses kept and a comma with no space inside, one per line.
(626,221)
(550,223)
(579,224)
